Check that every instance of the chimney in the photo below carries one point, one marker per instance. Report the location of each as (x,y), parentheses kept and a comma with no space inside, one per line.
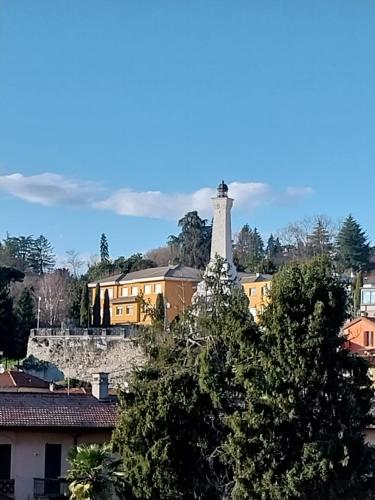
(52,386)
(100,385)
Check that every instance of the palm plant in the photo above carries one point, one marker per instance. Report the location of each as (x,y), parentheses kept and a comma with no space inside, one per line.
(94,473)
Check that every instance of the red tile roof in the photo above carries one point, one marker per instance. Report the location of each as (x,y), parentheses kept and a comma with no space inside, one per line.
(14,378)
(22,409)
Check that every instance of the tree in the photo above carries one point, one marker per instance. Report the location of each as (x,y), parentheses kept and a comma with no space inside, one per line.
(42,258)
(352,245)
(74,262)
(358,283)
(54,289)
(8,319)
(106,321)
(85,307)
(172,422)
(319,240)
(249,249)
(96,308)
(273,248)
(192,246)
(94,473)
(104,250)
(25,315)
(159,309)
(300,432)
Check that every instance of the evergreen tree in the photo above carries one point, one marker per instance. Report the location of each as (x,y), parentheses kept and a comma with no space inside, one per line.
(159,309)
(352,245)
(184,391)
(8,321)
(192,246)
(96,308)
(358,283)
(300,432)
(249,249)
(273,248)
(319,241)
(84,320)
(26,320)
(42,258)
(104,250)
(106,322)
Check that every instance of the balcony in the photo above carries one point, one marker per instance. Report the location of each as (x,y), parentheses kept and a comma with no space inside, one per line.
(7,488)
(50,488)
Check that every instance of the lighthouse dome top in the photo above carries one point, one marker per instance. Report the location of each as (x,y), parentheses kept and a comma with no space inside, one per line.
(222,190)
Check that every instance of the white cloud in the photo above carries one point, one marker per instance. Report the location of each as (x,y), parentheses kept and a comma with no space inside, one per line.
(49,189)
(54,189)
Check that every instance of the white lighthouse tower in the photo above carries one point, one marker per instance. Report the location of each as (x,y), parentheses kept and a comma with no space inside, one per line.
(221,244)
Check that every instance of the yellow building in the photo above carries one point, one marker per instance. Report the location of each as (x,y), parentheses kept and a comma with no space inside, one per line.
(177,284)
(128,292)
(256,287)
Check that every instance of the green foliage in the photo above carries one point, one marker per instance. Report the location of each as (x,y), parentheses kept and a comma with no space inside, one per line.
(104,250)
(249,249)
(41,258)
(352,245)
(358,283)
(96,308)
(192,246)
(159,309)
(273,248)
(26,320)
(8,320)
(84,320)
(307,400)
(106,321)
(319,241)
(94,473)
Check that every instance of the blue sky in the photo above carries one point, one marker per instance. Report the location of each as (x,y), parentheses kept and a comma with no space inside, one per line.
(103,102)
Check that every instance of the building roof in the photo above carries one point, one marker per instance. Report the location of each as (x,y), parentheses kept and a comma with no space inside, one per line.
(254,277)
(358,319)
(56,410)
(164,272)
(19,379)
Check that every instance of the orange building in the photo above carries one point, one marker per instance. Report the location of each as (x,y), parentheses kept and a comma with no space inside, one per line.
(360,333)
(128,292)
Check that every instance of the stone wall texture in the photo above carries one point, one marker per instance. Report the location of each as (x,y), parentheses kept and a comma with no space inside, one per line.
(80,357)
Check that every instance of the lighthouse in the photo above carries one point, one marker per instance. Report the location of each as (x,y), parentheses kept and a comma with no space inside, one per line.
(221,244)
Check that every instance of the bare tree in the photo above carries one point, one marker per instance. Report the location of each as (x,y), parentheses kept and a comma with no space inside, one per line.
(74,262)
(53,290)
(162,255)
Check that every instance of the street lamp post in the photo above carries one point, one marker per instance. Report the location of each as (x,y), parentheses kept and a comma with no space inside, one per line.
(38,313)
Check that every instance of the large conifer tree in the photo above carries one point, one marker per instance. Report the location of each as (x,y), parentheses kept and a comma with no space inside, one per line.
(106,322)
(352,245)
(300,433)
(26,320)
(84,320)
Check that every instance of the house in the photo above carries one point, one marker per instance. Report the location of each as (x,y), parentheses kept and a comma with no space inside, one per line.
(256,287)
(360,333)
(37,430)
(129,292)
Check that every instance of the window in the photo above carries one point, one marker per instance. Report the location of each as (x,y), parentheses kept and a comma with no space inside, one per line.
(119,311)
(368,297)
(252,292)
(5,455)
(158,288)
(368,339)
(124,291)
(148,289)
(134,290)
(129,310)
(102,292)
